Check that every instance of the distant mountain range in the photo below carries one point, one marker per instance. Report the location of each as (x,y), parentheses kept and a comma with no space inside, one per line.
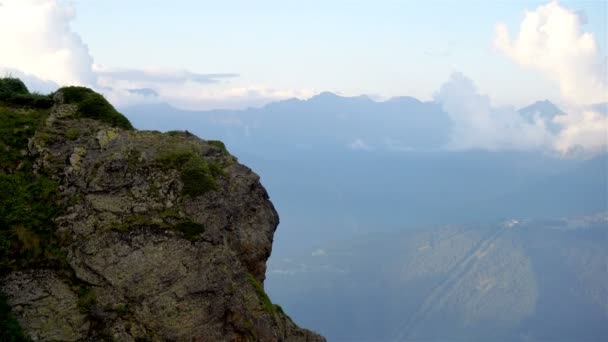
(325,121)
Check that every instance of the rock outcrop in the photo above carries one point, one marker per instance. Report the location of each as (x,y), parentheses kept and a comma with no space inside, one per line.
(162,236)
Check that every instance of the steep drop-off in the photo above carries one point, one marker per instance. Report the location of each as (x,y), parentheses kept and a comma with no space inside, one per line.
(109,233)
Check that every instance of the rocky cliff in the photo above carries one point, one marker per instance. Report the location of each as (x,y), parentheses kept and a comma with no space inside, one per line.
(109,233)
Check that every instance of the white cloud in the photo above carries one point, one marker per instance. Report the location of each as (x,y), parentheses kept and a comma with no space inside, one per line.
(158,75)
(585,131)
(359,145)
(39,46)
(551,39)
(198,96)
(476,124)
(318,252)
(36,39)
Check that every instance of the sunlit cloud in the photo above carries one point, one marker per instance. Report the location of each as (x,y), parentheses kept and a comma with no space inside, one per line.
(551,39)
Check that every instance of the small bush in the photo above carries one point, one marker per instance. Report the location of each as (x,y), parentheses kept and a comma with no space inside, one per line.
(197,178)
(175,159)
(14,92)
(72,134)
(12,86)
(219,144)
(75,95)
(191,230)
(94,106)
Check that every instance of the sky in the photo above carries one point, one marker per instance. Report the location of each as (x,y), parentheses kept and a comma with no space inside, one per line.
(236,54)
(378,48)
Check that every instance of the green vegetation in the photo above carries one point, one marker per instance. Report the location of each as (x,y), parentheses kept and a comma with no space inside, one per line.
(219,144)
(86,299)
(263,297)
(120,309)
(190,229)
(198,176)
(94,106)
(14,92)
(175,159)
(16,128)
(28,201)
(9,327)
(72,133)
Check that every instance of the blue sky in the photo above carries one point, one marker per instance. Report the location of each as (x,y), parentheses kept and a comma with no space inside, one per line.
(480,60)
(383,48)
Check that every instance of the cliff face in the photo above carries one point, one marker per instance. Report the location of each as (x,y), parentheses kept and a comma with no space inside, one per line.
(154,236)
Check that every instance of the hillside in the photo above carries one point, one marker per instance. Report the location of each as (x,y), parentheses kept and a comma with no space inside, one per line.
(535,280)
(109,233)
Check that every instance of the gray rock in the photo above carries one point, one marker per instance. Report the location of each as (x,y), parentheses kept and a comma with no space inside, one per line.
(166,236)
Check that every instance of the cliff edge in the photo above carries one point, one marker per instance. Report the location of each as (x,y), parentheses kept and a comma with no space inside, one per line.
(109,233)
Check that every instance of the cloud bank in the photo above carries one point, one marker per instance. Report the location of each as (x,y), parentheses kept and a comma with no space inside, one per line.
(479,125)
(39,47)
(551,39)
(36,39)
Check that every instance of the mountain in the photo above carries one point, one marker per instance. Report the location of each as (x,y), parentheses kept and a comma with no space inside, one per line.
(325,121)
(536,280)
(337,167)
(109,233)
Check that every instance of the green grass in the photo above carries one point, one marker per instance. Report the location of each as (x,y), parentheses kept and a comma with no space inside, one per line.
(262,296)
(14,92)
(94,106)
(16,128)
(198,176)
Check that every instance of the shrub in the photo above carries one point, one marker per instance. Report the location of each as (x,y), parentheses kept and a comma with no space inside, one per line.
(94,106)
(190,229)
(196,177)
(14,92)
(219,144)
(12,86)
(175,159)
(72,134)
